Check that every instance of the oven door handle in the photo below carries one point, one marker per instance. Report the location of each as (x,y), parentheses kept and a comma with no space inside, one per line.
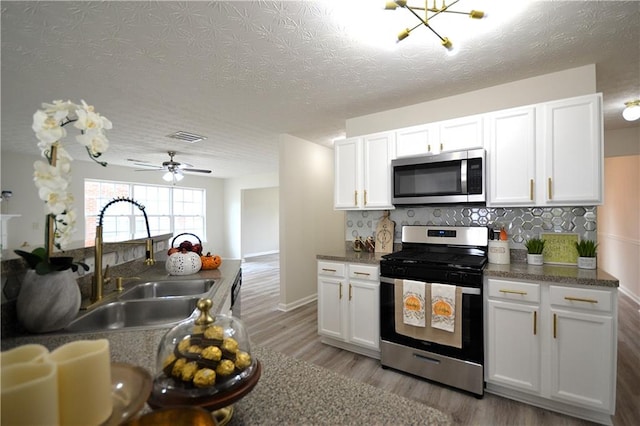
(465,290)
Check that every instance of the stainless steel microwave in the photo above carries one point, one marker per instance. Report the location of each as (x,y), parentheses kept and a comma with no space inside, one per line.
(447,178)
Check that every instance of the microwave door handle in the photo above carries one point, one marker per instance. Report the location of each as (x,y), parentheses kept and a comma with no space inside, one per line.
(463,176)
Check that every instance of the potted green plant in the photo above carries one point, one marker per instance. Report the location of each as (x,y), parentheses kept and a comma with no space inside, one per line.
(587,250)
(535,247)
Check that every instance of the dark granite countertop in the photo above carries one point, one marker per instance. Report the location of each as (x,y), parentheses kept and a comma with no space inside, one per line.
(569,275)
(351,256)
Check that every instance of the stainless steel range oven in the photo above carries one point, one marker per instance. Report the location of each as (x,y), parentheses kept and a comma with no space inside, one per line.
(449,255)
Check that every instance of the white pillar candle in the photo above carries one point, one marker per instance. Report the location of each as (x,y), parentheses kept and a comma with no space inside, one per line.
(30,394)
(25,353)
(84,382)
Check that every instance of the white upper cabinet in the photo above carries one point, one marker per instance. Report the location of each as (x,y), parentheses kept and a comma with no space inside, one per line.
(434,138)
(363,172)
(461,133)
(547,154)
(416,140)
(348,174)
(573,151)
(511,136)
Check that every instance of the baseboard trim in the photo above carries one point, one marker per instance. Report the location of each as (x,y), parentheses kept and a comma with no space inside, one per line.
(286,307)
(631,295)
(263,253)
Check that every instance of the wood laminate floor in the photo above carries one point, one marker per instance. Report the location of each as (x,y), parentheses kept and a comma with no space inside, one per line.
(295,334)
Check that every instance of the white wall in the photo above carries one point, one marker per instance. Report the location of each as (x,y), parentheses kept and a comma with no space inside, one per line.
(17,176)
(260,221)
(559,85)
(232,206)
(619,223)
(308,223)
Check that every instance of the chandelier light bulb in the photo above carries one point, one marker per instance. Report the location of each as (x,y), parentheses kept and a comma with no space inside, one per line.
(632,111)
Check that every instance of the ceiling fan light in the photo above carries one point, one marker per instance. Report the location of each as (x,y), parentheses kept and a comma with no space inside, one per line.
(178,176)
(632,111)
(167,177)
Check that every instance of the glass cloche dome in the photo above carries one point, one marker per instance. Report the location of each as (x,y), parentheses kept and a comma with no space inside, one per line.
(202,357)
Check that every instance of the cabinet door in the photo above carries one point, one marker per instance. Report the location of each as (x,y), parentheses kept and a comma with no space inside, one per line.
(573,151)
(364,318)
(582,365)
(513,345)
(461,133)
(511,157)
(348,161)
(331,307)
(377,171)
(416,140)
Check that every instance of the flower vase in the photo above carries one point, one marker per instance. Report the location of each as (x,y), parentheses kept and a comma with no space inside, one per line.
(48,302)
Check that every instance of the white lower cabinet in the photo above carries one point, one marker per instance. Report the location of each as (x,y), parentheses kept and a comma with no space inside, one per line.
(348,305)
(552,346)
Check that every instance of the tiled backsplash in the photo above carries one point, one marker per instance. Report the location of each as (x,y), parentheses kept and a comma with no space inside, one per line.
(521,223)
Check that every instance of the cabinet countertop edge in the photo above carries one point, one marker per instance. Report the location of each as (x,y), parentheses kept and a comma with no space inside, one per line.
(561,274)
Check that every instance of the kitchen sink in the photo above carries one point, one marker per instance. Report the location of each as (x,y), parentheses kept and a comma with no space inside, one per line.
(134,313)
(170,288)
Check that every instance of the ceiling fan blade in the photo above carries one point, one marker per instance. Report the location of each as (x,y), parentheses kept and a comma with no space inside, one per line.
(196,170)
(151,166)
(147,170)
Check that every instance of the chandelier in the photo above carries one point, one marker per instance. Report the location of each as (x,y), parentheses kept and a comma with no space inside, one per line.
(430,13)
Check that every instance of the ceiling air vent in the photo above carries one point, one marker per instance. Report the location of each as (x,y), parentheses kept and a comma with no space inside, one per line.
(186,137)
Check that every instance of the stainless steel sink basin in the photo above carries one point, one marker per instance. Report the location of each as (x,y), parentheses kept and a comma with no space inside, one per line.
(169,288)
(134,313)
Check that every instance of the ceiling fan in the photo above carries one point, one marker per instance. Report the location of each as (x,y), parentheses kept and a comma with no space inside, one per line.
(174,171)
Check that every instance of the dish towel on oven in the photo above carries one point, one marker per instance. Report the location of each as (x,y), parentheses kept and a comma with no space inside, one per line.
(413,303)
(443,307)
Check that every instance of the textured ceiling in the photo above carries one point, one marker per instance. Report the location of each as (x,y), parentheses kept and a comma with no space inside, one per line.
(241,73)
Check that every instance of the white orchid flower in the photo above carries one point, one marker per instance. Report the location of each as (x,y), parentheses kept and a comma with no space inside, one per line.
(59,110)
(47,128)
(56,202)
(46,175)
(53,181)
(96,141)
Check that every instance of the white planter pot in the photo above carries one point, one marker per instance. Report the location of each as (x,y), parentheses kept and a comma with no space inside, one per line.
(587,262)
(535,259)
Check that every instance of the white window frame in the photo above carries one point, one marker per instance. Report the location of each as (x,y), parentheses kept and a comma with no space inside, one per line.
(165,207)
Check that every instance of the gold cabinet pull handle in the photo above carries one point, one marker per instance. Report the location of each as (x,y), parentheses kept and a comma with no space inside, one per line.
(361,273)
(329,270)
(428,147)
(531,189)
(365,197)
(441,147)
(535,322)
(550,185)
(520,292)
(580,299)
(340,297)
(349,291)
(355,197)
(555,326)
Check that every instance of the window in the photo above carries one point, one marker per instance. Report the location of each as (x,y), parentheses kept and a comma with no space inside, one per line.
(169,210)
